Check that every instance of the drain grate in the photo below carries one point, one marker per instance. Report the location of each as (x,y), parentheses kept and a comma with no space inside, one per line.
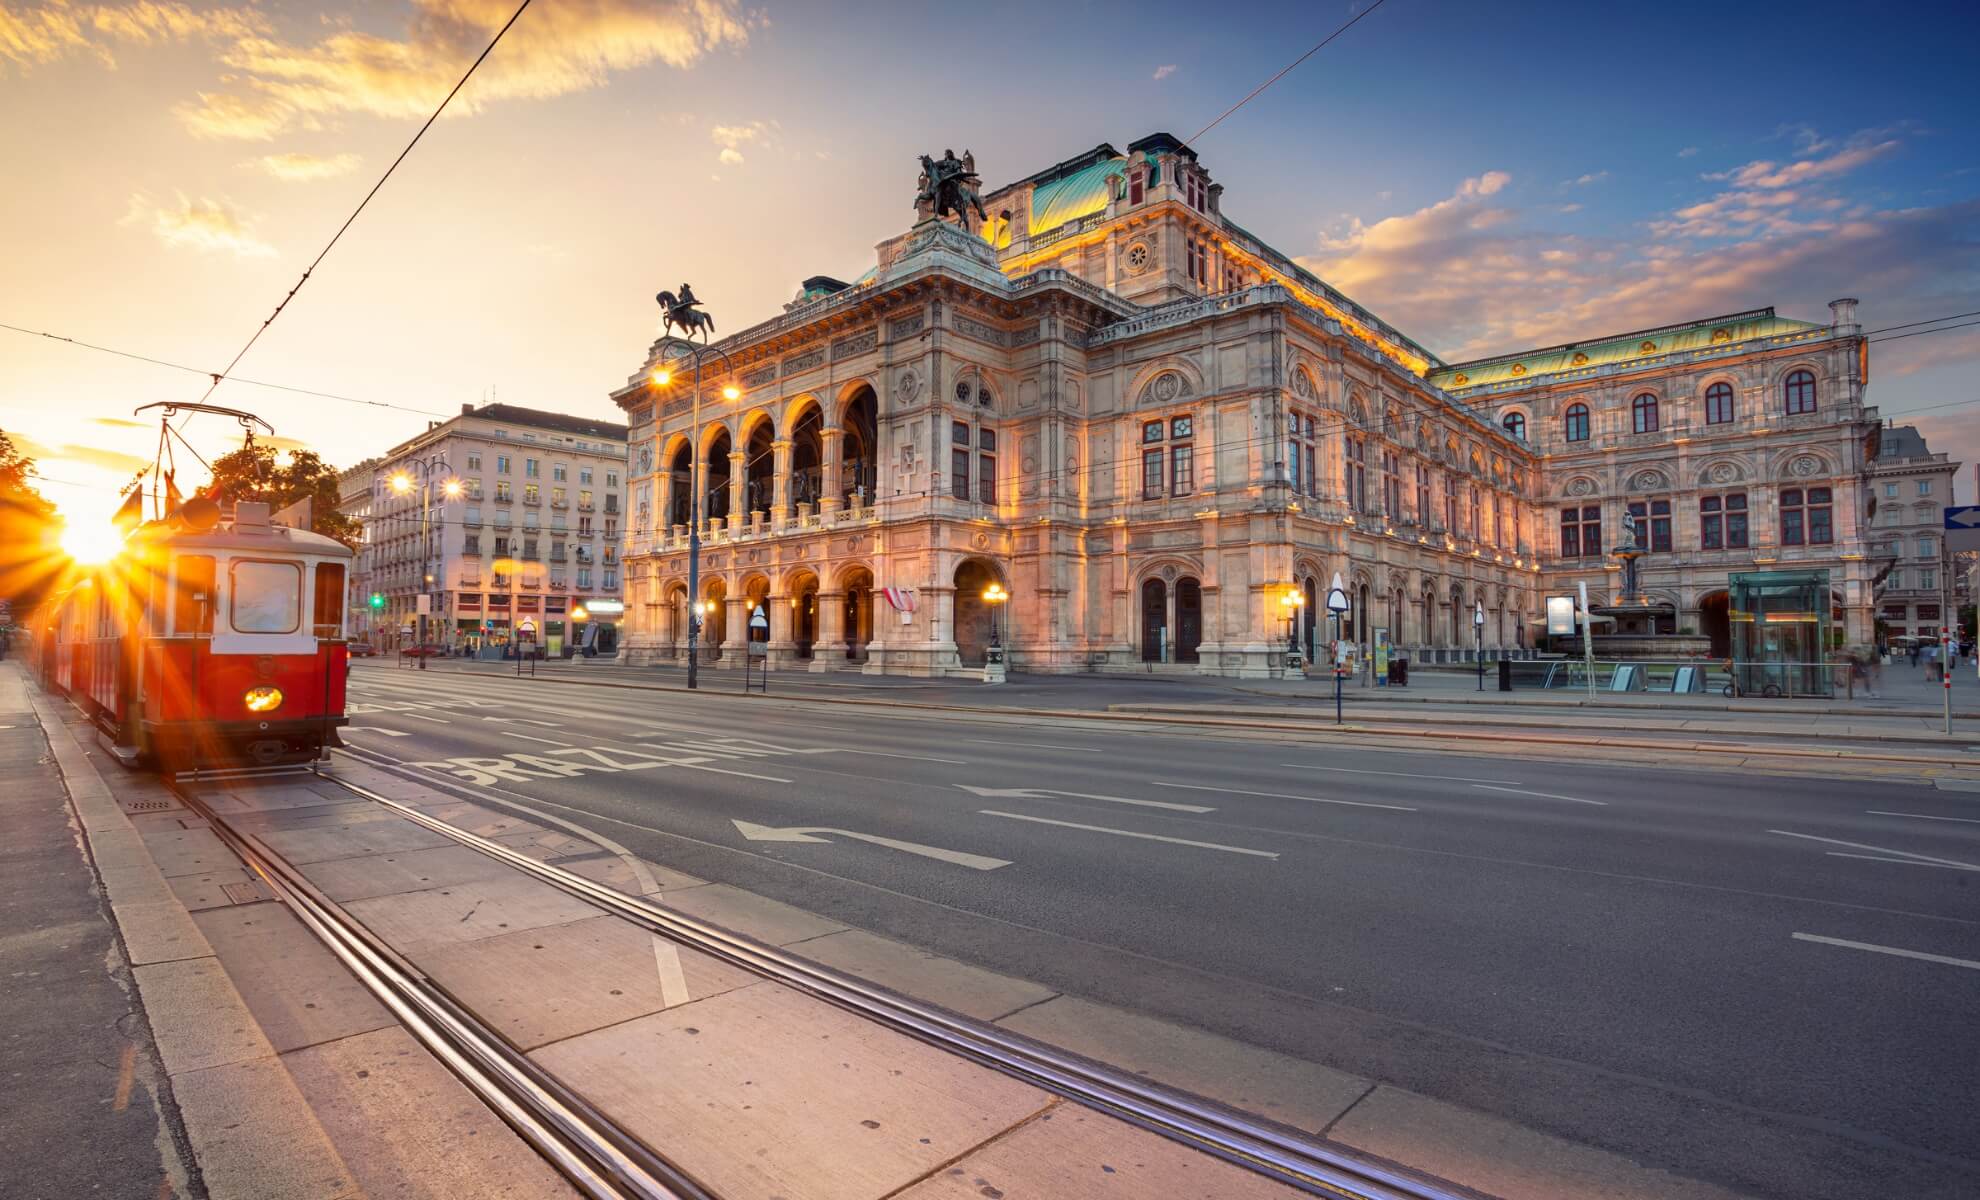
(145,806)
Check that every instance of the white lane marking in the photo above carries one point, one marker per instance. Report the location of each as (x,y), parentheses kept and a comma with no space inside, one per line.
(1944,862)
(1129,833)
(1904,862)
(1397,774)
(525,721)
(722,771)
(961,762)
(804,833)
(523,737)
(673,980)
(418,717)
(375,729)
(1035,745)
(1873,948)
(1878,812)
(1048,793)
(1283,796)
(1547,795)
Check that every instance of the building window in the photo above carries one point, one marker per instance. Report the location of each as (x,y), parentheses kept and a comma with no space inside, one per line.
(1302,454)
(503,492)
(1357,475)
(474,462)
(1890,490)
(501,464)
(1151,474)
(1719,404)
(1643,413)
(986,466)
(959,460)
(1151,431)
(1180,427)
(1926,612)
(1805,517)
(1581,532)
(1574,423)
(1498,519)
(558,472)
(611,479)
(1799,392)
(1423,494)
(1182,469)
(1924,487)
(1653,521)
(532,468)
(1515,425)
(1391,485)
(1189,257)
(1927,548)
(1722,522)
(1450,504)
(1137,186)
(1474,512)
(532,494)
(1928,578)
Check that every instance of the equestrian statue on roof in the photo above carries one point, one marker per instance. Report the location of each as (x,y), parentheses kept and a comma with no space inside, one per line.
(684,311)
(948,186)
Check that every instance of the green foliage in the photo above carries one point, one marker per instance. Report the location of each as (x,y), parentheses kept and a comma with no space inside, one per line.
(28,529)
(256,473)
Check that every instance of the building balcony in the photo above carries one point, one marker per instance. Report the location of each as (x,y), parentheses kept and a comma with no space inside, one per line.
(560,504)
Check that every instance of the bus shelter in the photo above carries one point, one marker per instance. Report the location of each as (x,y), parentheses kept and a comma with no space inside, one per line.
(1780,632)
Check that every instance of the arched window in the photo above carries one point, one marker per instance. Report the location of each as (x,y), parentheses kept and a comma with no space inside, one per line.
(1798,389)
(1719,404)
(1515,425)
(1575,422)
(1643,413)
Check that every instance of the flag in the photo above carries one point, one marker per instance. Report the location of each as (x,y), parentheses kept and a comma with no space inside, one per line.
(173,500)
(130,514)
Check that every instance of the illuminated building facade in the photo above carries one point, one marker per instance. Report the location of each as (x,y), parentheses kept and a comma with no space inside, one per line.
(1150,429)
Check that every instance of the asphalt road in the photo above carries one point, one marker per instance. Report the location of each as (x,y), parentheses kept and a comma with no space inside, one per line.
(1768,983)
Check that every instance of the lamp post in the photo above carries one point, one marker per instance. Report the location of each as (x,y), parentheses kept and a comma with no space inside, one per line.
(420,471)
(1337,604)
(662,376)
(995,595)
(1478,624)
(1292,602)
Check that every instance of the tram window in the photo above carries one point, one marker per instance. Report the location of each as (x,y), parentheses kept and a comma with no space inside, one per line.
(329,600)
(267,596)
(192,599)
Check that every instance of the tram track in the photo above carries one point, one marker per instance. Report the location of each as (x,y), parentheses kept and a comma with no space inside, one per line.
(1232,1136)
(599,1158)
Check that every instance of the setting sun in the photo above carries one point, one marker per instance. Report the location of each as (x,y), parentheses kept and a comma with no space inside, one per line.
(91,542)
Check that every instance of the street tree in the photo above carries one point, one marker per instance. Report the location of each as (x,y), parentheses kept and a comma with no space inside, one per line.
(261,473)
(28,530)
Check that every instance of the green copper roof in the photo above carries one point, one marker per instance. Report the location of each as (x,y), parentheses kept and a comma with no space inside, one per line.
(1076,195)
(1620,348)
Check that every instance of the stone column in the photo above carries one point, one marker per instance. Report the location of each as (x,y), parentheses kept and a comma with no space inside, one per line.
(782,650)
(780,509)
(738,478)
(828,652)
(663,515)
(829,492)
(735,640)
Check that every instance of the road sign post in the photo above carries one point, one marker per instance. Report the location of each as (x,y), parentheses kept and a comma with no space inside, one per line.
(1587,637)
(756,651)
(525,637)
(1337,604)
(1478,625)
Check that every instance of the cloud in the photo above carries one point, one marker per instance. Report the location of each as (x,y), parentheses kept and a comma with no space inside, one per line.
(1585,180)
(732,138)
(1569,208)
(46,455)
(297,167)
(1688,152)
(120,423)
(1767,174)
(1165,70)
(38,36)
(276,85)
(202,224)
(730,157)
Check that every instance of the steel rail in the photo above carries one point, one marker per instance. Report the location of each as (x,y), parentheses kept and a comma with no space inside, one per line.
(1213,1129)
(586,1147)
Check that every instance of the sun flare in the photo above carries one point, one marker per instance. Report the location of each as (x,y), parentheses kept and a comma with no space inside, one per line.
(91,542)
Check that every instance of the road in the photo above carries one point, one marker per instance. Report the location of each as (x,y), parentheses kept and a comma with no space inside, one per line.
(1763,982)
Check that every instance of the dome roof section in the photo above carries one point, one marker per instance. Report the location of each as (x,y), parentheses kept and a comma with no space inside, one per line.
(1079,194)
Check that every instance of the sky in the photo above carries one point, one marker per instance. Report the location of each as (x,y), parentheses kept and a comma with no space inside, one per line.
(1484,177)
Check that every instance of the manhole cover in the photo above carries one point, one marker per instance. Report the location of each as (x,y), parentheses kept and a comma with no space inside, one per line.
(145,806)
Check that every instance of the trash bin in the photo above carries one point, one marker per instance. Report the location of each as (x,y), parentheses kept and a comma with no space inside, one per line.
(1399,672)
(1505,674)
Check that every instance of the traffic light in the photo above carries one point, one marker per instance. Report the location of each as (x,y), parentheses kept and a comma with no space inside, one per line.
(378,600)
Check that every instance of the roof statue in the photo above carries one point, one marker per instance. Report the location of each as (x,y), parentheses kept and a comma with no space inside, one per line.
(949,185)
(685,311)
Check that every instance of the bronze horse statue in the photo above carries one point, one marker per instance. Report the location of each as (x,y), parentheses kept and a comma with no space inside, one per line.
(688,317)
(948,187)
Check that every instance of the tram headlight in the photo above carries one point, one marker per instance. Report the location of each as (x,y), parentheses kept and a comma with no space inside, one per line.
(263,699)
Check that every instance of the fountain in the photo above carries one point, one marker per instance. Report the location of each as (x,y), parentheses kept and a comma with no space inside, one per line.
(1643,628)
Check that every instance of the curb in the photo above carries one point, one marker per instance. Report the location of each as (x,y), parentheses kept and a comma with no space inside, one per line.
(1387,696)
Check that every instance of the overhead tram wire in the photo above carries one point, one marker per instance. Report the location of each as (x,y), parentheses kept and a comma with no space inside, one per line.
(348,221)
(1915,324)
(160,362)
(1287,69)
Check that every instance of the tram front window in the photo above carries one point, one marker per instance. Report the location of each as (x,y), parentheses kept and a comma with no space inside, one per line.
(267,597)
(329,608)
(192,595)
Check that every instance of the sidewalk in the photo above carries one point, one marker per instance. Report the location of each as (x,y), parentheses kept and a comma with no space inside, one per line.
(296,1085)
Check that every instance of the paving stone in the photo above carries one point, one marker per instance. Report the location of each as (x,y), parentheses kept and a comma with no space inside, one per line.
(196,1017)
(749,914)
(1499,1158)
(615,871)
(255,1138)
(409,1130)
(250,798)
(158,930)
(344,879)
(1275,1086)
(413,922)
(350,841)
(542,985)
(1072,1151)
(476,818)
(289,981)
(911,971)
(188,851)
(206,891)
(327,815)
(766,1092)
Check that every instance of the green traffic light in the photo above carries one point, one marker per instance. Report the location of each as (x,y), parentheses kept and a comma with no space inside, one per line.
(377,600)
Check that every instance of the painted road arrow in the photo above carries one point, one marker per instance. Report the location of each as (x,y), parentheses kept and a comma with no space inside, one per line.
(1048,793)
(794,833)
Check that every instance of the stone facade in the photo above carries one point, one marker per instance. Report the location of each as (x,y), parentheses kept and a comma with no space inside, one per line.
(1911,488)
(1155,433)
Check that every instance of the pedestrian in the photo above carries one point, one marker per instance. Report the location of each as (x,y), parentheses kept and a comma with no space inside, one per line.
(1914,655)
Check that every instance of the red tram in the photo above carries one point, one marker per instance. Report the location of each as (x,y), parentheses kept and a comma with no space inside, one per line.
(211,639)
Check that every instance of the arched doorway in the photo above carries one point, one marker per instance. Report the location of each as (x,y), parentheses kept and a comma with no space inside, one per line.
(859,612)
(759,469)
(1189,619)
(715,478)
(679,468)
(756,594)
(804,614)
(676,621)
(715,626)
(1154,619)
(1457,620)
(807,456)
(1715,622)
(1309,617)
(859,449)
(974,618)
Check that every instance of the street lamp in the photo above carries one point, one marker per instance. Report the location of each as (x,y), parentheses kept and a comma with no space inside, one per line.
(995,595)
(1292,602)
(662,376)
(1337,604)
(420,472)
(1478,624)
